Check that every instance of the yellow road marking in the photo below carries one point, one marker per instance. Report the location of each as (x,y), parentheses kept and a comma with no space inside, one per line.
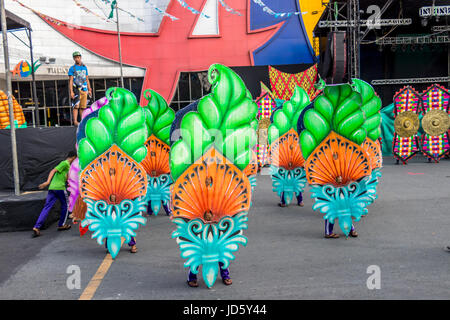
(93,285)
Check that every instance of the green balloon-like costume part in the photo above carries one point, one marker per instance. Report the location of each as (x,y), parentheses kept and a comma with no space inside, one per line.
(286,118)
(338,109)
(158,116)
(119,122)
(226,118)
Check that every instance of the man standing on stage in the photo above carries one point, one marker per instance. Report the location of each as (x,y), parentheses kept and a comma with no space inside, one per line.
(79,80)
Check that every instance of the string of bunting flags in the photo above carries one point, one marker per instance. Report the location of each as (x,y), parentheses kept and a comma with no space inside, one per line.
(113,4)
(90,11)
(194,11)
(266,9)
(57,22)
(228,8)
(173,18)
(184,4)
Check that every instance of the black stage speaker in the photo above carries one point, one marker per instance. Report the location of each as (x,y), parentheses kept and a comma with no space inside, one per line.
(334,63)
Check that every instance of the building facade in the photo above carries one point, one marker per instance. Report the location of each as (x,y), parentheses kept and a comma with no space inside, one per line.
(168,53)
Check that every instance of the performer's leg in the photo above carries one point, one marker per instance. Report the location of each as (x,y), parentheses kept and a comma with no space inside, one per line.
(192,279)
(353,232)
(300,199)
(167,208)
(75,115)
(225,274)
(132,244)
(329,230)
(282,203)
(63,214)
(49,202)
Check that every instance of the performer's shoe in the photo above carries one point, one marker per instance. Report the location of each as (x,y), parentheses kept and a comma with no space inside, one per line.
(64,227)
(282,205)
(192,284)
(227,282)
(353,234)
(36,233)
(133,249)
(301,204)
(331,236)
(447,248)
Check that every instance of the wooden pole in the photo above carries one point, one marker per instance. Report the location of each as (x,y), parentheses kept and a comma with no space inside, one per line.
(120,47)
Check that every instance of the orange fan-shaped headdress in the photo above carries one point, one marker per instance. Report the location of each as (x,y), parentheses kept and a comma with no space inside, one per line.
(337,161)
(373,150)
(252,167)
(211,189)
(113,177)
(156,162)
(286,152)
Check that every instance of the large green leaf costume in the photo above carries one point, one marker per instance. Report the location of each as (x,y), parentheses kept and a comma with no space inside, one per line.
(158,116)
(225,119)
(120,122)
(371,105)
(337,109)
(286,118)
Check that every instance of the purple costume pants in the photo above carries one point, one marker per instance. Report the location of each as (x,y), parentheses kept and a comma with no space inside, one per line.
(225,274)
(329,227)
(52,196)
(130,244)
(299,198)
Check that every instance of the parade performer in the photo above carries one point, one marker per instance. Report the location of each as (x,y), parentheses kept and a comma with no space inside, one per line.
(57,184)
(158,118)
(288,175)
(77,207)
(332,132)
(113,184)
(211,194)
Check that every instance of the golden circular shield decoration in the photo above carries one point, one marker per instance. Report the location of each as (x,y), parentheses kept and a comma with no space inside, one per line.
(406,124)
(436,122)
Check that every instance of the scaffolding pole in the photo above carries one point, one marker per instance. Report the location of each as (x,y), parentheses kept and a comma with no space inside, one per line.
(10,100)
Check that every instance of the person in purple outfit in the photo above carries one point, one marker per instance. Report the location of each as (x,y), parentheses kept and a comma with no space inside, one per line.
(329,231)
(299,200)
(224,273)
(56,183)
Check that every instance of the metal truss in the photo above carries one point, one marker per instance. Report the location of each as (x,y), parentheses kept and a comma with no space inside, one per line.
(409,81)
(366,23)
(413,40)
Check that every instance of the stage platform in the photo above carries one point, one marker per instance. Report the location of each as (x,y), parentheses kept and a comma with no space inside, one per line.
(39,150)
(19,213)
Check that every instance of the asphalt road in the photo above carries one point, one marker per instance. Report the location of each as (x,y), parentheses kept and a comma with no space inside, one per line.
(286,256)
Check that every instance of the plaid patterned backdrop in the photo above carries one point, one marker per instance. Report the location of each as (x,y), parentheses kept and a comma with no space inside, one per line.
(283,84)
